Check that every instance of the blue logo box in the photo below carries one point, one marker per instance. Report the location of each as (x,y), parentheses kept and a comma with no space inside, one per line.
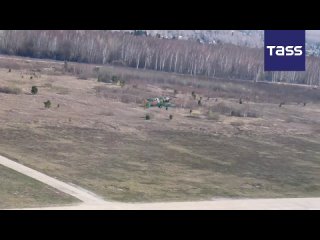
(284,50)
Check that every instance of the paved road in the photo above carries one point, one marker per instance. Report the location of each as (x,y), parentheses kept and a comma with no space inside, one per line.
(81,194)
(94,202)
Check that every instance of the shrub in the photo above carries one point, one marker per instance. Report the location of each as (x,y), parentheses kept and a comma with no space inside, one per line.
(10,90)
(105,77)
(114,78)
(34,90)
(236,113)
(194,95)
(171,117)
(148,116)
(47,104)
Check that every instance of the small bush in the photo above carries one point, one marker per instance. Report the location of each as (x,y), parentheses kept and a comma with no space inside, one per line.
(34,90)
(10,90)
(114,78)
(148,117)
(104,76)
(171,117)
(122,83)
(236,113)
(194,95)
(47,104)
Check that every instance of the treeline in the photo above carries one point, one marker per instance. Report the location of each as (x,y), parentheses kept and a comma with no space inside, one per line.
(145,52)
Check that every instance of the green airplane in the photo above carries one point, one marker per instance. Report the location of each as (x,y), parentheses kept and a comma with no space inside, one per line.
(159,102)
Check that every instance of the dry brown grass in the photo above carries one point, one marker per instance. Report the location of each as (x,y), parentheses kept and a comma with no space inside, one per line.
(99,139)
(10,90)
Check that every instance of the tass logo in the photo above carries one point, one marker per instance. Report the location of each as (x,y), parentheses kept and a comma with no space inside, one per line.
(284,50)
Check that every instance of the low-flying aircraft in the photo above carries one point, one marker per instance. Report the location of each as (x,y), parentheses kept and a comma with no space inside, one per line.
(159,102)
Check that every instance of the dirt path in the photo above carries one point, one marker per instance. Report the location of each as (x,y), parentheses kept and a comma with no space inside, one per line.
(94,202)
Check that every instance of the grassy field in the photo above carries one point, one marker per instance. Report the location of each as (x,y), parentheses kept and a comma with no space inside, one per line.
(98,137)
(17,190)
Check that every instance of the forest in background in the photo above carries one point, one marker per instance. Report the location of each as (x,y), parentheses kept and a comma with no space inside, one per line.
(145,52)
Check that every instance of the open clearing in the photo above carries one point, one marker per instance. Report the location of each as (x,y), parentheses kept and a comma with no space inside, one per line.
(93,202)
(99,139)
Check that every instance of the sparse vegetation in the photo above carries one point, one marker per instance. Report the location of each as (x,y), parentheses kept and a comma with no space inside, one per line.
(188,158)
(234,110)
(10,90)
(34,90)
(47,104)
(194,95)
(115,79)
(213,115)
